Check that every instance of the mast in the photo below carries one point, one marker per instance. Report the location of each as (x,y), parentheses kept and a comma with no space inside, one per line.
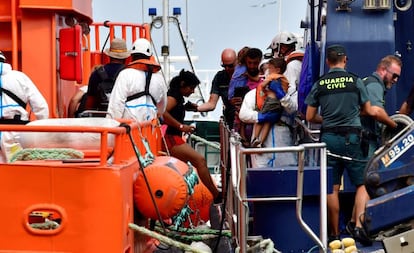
(166,38)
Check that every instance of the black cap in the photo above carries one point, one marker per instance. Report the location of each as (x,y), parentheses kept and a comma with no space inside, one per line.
(337,49)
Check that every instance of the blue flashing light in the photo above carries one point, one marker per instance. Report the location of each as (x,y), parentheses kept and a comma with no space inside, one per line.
(176,11)
(152,11)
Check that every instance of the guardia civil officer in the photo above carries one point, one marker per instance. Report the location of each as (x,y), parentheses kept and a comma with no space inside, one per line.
(341,96)
(386,75)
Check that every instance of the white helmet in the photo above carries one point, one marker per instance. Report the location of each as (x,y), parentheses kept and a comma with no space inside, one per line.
(282,38)
(141,46)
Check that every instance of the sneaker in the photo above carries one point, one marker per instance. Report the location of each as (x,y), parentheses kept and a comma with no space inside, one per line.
(350,227)
(361,236)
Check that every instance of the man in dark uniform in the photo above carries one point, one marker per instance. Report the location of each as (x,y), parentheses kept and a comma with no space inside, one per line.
(387,74)
(220,87)
(341,96)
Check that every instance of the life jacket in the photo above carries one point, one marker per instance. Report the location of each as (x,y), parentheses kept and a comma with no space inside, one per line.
(296,55)
(150,67)
(260,97)
(143,64)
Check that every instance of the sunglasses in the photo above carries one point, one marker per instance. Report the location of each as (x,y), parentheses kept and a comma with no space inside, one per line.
(228,65)
(395,76)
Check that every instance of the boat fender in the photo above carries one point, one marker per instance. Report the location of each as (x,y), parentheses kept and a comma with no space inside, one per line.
(335,244)
(166,178)
(348,241)
(351,249)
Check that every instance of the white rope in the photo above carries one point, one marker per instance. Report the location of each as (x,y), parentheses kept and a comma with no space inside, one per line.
(200,139)
(267,245)
(164,239)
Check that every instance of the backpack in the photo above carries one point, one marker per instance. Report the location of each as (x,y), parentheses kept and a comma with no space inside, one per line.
(104,89)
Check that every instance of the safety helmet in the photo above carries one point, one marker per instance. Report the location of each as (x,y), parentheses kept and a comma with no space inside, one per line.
(2,57)
(141,46)
(286,38)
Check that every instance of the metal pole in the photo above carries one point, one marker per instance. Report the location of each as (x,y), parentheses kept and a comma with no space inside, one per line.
(166,38)
(279,17)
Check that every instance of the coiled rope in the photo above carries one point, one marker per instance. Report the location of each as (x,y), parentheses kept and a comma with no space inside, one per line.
(29,154)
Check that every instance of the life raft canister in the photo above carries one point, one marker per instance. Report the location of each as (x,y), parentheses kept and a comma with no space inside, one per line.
(166,177)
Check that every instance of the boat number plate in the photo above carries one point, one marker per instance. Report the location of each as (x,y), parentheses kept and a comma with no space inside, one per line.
(397,150)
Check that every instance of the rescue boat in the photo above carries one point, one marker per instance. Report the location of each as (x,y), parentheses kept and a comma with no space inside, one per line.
(102,185)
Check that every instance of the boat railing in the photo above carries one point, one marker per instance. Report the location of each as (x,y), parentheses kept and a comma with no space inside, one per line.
(238,210)
(114,144)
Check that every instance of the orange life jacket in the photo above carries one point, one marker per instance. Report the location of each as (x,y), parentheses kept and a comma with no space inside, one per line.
(260,97)
(142,64)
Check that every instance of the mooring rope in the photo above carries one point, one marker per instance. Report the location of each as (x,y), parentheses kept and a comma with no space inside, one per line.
(164,239)
(267,245)
(209,143)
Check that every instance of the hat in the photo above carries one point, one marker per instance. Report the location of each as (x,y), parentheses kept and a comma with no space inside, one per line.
(118,49)
(141,46)
(337,49)
(2,57)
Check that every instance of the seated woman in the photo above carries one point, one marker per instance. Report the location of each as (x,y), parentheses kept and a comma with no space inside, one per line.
(182,86)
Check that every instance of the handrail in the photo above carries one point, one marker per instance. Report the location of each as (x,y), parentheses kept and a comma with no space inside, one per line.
(239,183)
(104,132)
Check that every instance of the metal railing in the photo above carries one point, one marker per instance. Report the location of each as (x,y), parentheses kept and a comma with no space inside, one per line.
(238,210)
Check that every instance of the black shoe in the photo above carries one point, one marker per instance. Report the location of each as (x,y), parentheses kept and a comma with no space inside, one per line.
(333,238)
(350,227)
(361,236)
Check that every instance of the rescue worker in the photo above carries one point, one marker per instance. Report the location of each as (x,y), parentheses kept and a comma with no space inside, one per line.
(17,90)
(279,134)
(140,91)
(341,96)
(284,45)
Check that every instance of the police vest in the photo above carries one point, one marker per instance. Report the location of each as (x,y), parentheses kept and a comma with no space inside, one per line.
(337,82)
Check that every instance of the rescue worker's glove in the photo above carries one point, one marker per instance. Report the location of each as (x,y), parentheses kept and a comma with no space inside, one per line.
(276,87)
(271,117)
